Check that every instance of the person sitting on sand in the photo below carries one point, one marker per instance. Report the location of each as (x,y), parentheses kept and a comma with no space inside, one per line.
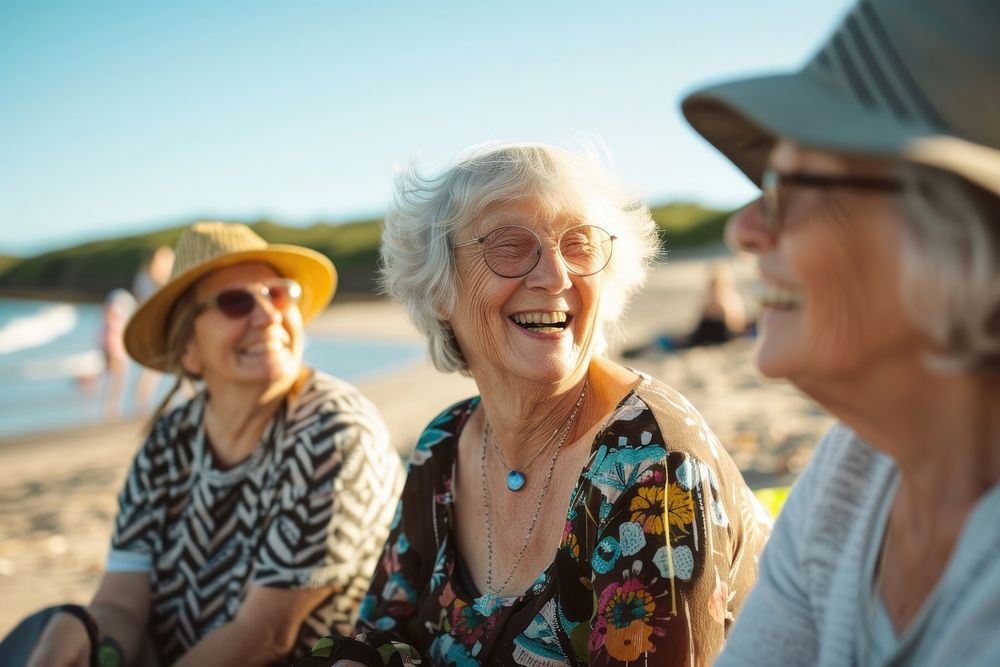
(575,512)
(253,515)
(878,241)
(723,317)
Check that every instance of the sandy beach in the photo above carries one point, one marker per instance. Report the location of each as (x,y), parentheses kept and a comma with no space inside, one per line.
(58,493)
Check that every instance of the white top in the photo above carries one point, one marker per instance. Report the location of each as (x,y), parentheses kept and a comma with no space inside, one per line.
(813,603)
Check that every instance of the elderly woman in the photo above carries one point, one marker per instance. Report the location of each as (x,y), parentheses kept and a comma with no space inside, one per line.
(879,248)
(574,512)
(254,513)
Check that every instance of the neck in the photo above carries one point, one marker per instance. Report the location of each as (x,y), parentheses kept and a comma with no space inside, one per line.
(235,418)
(524,415)
(942,430)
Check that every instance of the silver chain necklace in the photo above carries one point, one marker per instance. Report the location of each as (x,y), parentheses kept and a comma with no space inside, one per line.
(516,479)
(488,601)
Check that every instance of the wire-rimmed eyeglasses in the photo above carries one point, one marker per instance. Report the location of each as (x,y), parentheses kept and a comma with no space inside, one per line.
(773,183)
(513,251)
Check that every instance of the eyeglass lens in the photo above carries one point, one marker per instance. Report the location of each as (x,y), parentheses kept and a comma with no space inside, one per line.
(773,184)
(771,199)
(513,251)
(237,303)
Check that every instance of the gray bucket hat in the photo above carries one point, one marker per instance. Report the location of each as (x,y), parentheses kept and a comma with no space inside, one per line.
(912,79)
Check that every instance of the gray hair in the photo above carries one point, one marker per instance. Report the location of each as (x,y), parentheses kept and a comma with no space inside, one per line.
(417,263)
(950,273)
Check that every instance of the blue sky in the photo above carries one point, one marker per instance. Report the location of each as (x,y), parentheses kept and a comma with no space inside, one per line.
(119,117)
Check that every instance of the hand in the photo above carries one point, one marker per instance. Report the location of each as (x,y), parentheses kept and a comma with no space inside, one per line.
(64,643)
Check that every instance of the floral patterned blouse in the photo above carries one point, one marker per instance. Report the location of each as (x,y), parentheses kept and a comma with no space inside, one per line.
(659,549)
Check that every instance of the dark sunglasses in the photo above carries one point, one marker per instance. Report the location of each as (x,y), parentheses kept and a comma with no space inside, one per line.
(773,184)
(513,251)
(240,302)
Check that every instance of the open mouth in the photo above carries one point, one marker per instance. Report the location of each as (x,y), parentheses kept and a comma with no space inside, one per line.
(772,296)
(552,322)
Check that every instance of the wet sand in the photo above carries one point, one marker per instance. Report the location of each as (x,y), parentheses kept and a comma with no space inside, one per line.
(58,493)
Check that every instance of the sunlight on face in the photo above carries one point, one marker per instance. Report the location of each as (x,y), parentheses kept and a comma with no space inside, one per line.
(831,306)
(264,348)
(538,327)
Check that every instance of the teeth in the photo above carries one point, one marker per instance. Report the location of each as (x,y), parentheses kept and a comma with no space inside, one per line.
(772,296)
(263,346)
(554,317)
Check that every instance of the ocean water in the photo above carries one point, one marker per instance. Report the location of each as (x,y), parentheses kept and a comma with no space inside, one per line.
(50,365)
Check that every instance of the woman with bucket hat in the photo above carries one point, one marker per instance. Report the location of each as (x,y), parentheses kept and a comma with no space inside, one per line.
(878,242)
(253,515)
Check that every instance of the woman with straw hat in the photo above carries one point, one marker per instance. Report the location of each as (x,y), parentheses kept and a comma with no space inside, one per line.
(254,513)
(878,240)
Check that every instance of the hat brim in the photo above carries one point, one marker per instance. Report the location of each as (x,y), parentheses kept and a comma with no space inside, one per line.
(744,119)
(146,332)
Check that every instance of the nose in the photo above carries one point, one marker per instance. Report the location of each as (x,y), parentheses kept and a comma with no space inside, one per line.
(550,273)
(264,311)
(746,230)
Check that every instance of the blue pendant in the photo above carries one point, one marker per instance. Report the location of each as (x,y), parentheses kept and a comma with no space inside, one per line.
(515,480)
(486,603)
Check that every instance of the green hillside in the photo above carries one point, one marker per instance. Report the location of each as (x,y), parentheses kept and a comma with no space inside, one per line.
(90,270)
(684,225)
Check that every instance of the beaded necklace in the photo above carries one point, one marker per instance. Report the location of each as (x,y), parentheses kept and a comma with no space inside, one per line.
(486,603)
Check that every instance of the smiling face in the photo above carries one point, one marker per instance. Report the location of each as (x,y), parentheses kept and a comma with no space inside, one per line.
(262,349)
(831,306)
(539,327)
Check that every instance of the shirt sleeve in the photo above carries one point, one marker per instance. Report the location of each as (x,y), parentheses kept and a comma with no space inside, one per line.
(663,568)
(391,602)
(135,535)
(776,625)
(413,556)
(340,484)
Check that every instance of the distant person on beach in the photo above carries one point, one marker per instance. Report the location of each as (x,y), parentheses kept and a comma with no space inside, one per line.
(118,307)
(153,274)
(253,516)
(723,317)
(878,242)
(574,512)
(150,277)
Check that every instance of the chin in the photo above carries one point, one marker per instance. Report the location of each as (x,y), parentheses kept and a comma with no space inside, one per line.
(543,371)
(772,359)
(281,370)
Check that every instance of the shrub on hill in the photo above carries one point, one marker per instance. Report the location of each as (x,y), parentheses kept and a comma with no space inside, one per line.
(90,270)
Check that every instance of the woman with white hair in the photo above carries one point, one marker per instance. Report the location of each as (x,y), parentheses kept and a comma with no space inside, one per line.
(878,239)
(575,512)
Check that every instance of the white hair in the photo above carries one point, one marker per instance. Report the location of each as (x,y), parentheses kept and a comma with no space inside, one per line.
(950,273)
(417,263)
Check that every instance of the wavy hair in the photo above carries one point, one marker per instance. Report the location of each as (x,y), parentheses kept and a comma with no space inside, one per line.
(417,263)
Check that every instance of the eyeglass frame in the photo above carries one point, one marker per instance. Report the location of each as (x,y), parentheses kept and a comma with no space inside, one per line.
(773,180)
(538,249)
(263,290)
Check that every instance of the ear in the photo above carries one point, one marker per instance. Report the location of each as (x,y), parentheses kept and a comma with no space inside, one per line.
(191,359)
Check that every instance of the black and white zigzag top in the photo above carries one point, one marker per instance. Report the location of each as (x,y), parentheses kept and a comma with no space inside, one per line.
(309,508)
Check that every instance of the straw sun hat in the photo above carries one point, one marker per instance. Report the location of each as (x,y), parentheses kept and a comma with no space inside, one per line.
(205,247)
(911,79)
